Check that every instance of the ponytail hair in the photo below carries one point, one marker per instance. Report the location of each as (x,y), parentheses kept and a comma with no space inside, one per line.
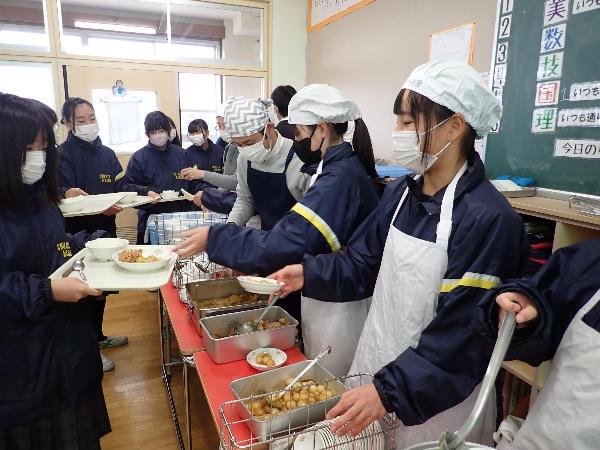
(361,143)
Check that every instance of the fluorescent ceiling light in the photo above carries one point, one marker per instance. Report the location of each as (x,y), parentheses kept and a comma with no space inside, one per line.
(114,27)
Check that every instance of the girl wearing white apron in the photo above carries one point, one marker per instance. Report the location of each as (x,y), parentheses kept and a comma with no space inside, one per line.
(341,196)
(564,296)
(434,247)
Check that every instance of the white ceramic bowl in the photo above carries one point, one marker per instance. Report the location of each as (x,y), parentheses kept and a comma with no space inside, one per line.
(72,204)
(103,248)
(279,356)
(169,194)
(129,198)
(259,285)
(164,255)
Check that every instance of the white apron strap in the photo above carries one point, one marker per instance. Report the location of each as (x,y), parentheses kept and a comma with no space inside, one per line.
(404,194)
(444,227)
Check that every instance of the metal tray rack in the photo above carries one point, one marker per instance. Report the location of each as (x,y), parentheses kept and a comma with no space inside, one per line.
(167,229)
(377,436)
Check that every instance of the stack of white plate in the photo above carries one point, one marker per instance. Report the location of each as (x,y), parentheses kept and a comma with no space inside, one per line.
(322,438)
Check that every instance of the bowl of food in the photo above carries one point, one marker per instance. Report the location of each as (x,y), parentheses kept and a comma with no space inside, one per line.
(137,259)
(169,195)
(72,204)
(259,285)
(130,197)
(102,249)
(263,359)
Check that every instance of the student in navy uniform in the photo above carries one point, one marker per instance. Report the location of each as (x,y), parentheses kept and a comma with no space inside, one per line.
(270,182)
(50,381)
(86,167)
(156,168)
(222,197)
(204,156)
(558,312)
(281,97)
(174,134)
(322,222)
(428,254)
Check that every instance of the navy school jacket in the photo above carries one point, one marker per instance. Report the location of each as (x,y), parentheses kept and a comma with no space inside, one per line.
(487,245)
(210,159)
(152,169)
(218,200)
(321,222)
(560,288)
(49,350)
(94,168)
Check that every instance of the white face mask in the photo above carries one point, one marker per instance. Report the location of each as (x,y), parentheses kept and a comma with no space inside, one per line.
(87,132)
(407,153)
(225,135)
(172,134)
(34,167)
(159,139)
(197,139)
(256,152)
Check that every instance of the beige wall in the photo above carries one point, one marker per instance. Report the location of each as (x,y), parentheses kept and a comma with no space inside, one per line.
(369,53)
(288,44)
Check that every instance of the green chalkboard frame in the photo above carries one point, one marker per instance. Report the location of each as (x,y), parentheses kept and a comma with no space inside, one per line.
(514,149)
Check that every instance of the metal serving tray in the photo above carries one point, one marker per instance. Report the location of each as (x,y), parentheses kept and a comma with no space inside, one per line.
(274,381)
(234,348)
(205,289)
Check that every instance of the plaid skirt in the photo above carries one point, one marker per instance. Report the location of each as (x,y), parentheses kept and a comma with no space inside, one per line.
(78,426)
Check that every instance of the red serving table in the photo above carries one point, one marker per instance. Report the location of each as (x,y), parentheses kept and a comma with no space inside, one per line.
(187,336)
(215,379)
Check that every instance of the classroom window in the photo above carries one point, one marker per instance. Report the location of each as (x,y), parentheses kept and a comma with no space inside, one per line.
(199,95)
(23,26)
(175,30)
(28,79)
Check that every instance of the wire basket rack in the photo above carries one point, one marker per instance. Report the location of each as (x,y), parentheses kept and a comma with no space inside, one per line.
(303,428)
(168,228)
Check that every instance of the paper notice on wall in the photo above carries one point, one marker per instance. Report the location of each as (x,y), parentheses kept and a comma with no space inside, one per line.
(480,147)
(323,12)
(581,6)
(455,44)
(586,117)
(547,93)
(499,79)
(553,38)
(555,11)
(544,120)
(577,148)
(585,91)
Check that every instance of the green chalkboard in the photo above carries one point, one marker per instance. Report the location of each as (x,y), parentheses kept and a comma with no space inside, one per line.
(560,153)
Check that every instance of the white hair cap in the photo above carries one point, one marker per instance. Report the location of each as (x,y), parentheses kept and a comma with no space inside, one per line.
(320,103)
(460,88)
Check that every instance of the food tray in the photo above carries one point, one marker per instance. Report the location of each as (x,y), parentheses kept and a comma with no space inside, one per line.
(175,199)
(139,201)
(206,289)
(96,204)
(273,381)
(107,276)
(235,348)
